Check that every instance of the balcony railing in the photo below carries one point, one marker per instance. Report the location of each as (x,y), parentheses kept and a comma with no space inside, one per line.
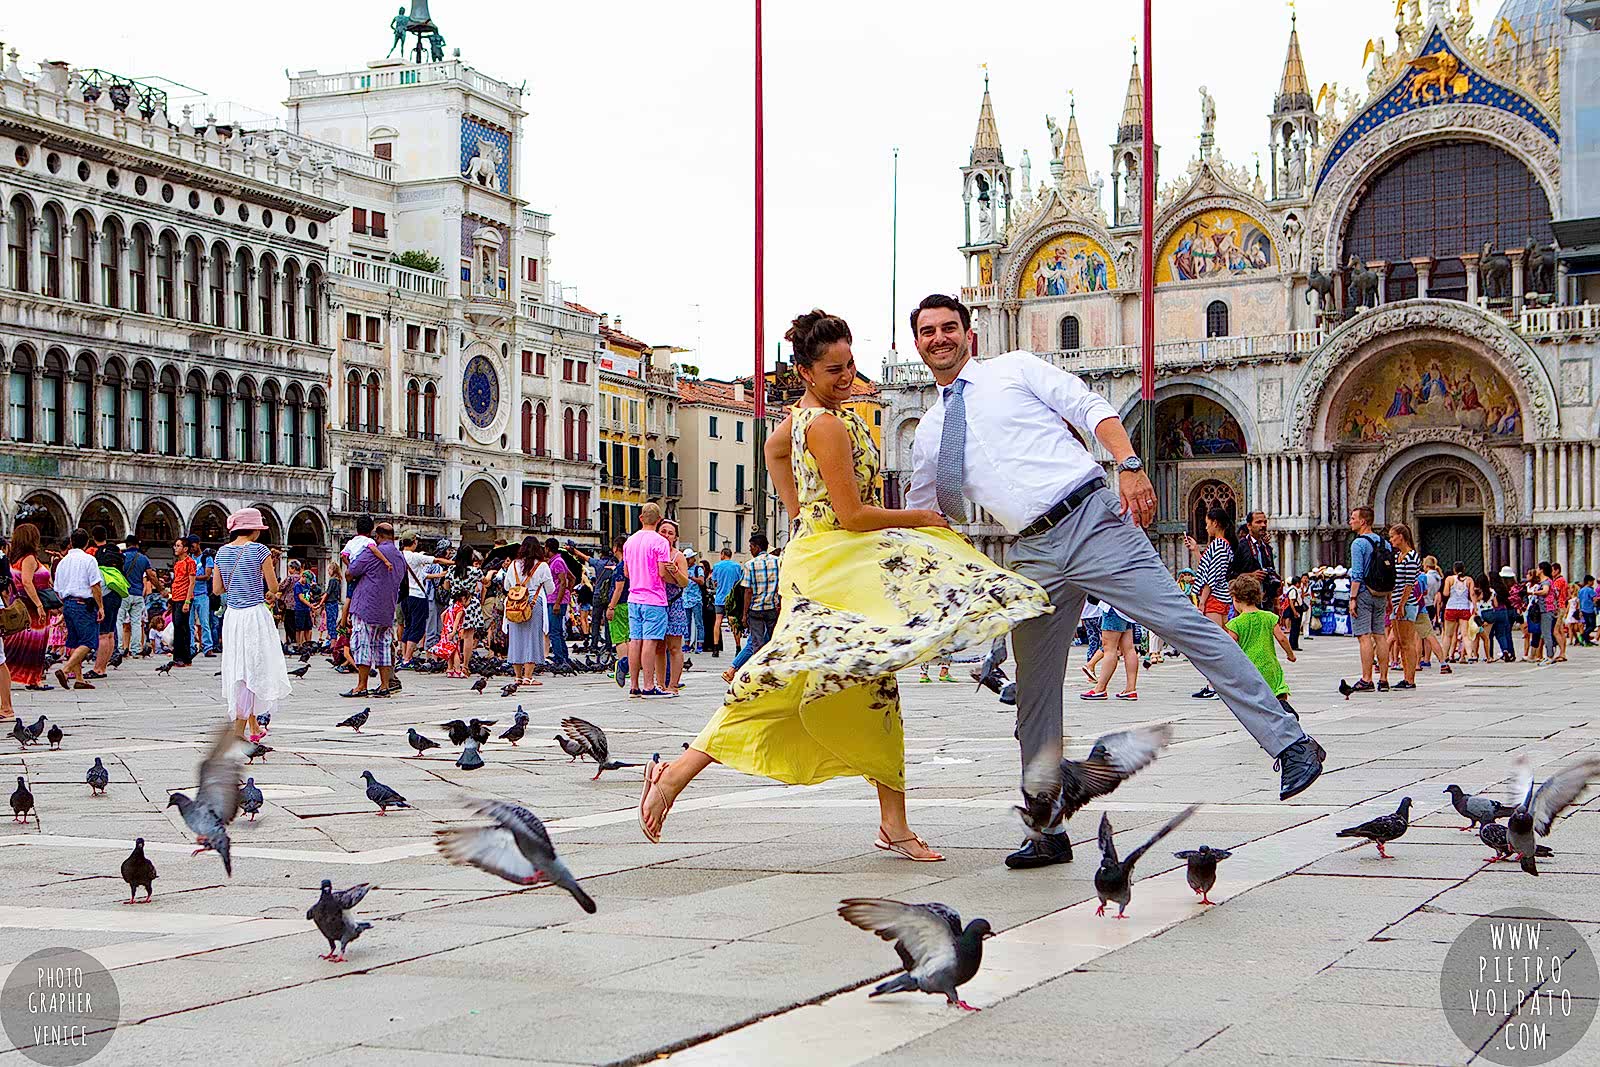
(375,428)
(619,480)
(535,220)
(656,485)
(672,427)
(1560,321)
(343,158)
(674,486)
(391,276)
(484,291)
(425,511)
(635,483)
(367,507)
(579,525)
(978,294)
(361,81)
(424,435)
(531,521)
(562,318)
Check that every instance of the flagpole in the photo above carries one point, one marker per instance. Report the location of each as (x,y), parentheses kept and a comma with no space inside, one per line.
(894,254)
(759,382)
(1147,286)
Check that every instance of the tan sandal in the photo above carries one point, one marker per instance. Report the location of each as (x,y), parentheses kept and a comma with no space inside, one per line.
(652,774)
(897,846)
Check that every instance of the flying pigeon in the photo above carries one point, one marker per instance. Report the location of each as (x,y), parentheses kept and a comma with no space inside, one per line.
(300,671)
(257,751)
(138,872)
(593,744)
(358,720)
(1114,878)
(382,795)
(55,735)
(1536,814)
(1383,829)
(507,689)
(1494,835)
(418,742)
(1477,810)
(481,683)
(457,730)
(20,733)
(1202,870)
(331,914)
(939,954)
(478,730)
(22,802)
(98,778)
(470,759)
(264,719)
(166,667)
(1052,793)
(116,659)
(216,799)
(250,798)
(517,848)
(570,747)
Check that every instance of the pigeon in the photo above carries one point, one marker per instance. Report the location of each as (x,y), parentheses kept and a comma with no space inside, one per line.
(481,683)
(300,671)
(478,730)
(418,742)
(216,799)
(98,778)
(1536,814)
(55,735)
(1202,870)
(570,747)
(518,727)
(1476,810)
(1345,689)
(1114,878)
(166,667)
(382,795)
(138,871)
(1052,793)
(358,720)
(250,798)
(20,733)
(939,954)
(457,729)
(507,689)
(216,674)
(991,676)
(1383,829)
(517,848)
(35,731)
(257,751)
(1495,836)
(331,914)
(470,759)
(22,802)
(264,719)
(593,744)
(116,659)
(305,657)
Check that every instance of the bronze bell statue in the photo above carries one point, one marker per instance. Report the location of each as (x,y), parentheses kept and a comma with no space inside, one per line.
(420,19)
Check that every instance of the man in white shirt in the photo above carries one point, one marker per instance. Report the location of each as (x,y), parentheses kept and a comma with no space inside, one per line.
(1001,436)
(77,582)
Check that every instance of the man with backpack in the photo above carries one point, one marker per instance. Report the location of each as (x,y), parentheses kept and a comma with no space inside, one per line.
(1372,578)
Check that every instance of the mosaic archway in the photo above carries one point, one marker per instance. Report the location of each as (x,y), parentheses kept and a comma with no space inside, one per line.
(1067,265)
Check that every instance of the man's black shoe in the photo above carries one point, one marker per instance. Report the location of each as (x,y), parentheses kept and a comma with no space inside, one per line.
(1008,694)
(1383,687)
(1050,848)
(1300,764)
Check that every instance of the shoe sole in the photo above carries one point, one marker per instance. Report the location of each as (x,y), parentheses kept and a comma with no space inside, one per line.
(1029,865)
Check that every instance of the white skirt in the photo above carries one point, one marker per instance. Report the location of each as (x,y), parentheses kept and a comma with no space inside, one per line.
(254,675)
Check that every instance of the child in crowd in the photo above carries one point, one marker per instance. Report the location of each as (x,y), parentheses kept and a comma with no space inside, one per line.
(449,646)
(1256,631)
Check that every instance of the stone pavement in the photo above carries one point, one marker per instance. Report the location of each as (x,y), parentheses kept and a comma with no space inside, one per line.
(721,946)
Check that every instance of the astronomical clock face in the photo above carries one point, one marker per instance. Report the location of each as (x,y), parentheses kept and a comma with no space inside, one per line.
(480,387)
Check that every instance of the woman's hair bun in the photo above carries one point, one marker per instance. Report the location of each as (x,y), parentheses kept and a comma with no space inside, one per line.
(814,331)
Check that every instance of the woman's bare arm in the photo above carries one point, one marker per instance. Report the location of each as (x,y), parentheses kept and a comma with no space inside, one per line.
(780,468)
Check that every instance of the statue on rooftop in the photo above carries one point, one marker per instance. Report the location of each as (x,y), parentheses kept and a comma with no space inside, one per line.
(399,24)
(436,46)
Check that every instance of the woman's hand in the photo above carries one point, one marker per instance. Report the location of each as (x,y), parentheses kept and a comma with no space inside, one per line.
(927,517)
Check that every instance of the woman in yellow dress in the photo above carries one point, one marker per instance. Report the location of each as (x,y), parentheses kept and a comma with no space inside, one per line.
(866,591)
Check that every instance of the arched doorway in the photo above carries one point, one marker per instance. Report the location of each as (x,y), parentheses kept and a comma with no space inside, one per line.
(158,526)
(45,511)
(308,538)
(480,513)
(210,524)
(1447,508)
(102,511)
(273,535)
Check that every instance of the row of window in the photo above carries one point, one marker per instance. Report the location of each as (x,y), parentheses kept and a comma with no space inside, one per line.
(536,513)
(374,223)
(622,469)
(653,424)
(89,405)
(711,428)
(574,431)
(366,492)
(130,268)
(1070,331)
(572,369)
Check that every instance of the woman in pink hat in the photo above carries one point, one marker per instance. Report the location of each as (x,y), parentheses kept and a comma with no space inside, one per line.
(254,676)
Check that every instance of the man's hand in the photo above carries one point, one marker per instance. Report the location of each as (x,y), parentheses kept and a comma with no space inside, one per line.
(1138,497)
(99,614)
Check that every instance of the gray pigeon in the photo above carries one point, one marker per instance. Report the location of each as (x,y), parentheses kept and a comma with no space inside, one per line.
(1535,816)
(592,743)
(470,759)
(98,778)
(1494,835)
(507,689)
(1202,869)
(358,720)
(22,802)
(517,848)
(1477,810)
(939,954)
(36,731)
(55,735)
(1053,792)
(1383,829)
(331,913)
(382,795)
(516,730)
(216,799)
(1114,878)
(418,742)
(571,747)
(138,872)
(255,751)
(300,671)
(480,684)
(250,798)
(20,734)
(478,730)
(456,730)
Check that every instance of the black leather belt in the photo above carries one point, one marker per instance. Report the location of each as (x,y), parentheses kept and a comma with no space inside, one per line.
(1072,502)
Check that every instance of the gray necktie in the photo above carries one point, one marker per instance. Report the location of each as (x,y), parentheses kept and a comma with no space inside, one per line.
(950,474)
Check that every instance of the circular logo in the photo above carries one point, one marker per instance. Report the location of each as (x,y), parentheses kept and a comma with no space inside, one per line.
(60,1007)
(480,386)
(1519,987)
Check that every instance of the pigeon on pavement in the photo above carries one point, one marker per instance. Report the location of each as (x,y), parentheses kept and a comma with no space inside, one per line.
(480,684)
(478,730)
(250,798)
(517,848)
(1114,878)
(98,778)
(22,802)
(1345,689)
(55,735)
(36,731)
(1494,835)
(166,667)
(1202,870)
(457,730)
(257,751)
(507,689)
(1383,829)
(216,799)
(939,954)
(470,758)
(593,744)
(1477,810)
(300,671)
(19,732)
(358,720)
(1535,816)
(1052,792)
(571,747)
(305,657)
(331,913)
(418,742)
(138,872)
(518,727)
(382,795)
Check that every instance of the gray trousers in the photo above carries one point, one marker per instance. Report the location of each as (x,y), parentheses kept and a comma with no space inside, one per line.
(1094,550)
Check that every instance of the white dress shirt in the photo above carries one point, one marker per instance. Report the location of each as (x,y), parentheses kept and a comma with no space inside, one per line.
(1021,459)
(76,575)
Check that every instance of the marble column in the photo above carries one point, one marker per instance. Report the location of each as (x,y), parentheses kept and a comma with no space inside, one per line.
(36,254)
(92,250)
(125,273)
(1470,261)
(1382,268)
(1561,556)
(1587,483)
(6,281)
(1423,265)
(1515,255)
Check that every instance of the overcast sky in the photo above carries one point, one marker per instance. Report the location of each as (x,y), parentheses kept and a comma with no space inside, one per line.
(639,139)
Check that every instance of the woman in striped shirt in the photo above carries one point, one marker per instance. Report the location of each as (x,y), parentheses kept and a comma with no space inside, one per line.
(1212,574)
(1404,602)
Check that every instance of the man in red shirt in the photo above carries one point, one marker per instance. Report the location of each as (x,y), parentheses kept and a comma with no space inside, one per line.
(1559,586)
(181,597)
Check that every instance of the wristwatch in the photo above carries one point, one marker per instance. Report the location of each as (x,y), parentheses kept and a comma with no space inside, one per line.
(1132,463)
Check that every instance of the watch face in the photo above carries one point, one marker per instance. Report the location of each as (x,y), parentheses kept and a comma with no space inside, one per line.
(480,389)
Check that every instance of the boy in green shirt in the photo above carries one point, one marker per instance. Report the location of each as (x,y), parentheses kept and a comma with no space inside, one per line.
(1255,631)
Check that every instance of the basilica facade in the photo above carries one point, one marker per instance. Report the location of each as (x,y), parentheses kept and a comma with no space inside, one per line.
(1387,312)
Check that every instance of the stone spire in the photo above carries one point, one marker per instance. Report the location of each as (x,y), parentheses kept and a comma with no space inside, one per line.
(1293,88)
(986,142)
(1132,126)
(1076,175)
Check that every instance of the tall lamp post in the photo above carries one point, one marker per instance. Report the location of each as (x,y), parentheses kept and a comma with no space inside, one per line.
(1147,255)
(759,383)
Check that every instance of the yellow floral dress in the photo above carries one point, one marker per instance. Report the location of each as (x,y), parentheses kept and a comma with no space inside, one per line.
(820,700)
